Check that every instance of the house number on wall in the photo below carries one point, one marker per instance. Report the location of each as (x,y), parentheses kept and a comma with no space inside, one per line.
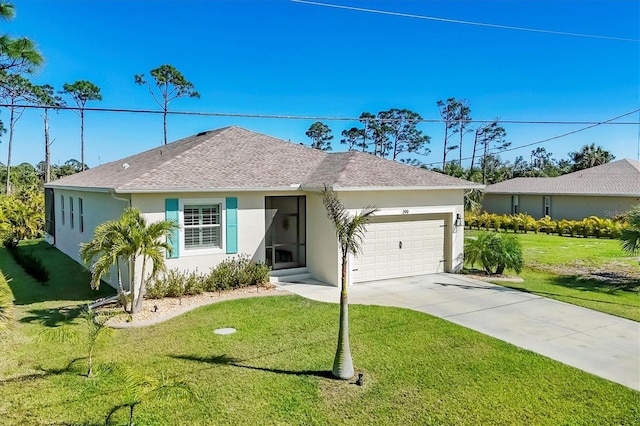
(405,211)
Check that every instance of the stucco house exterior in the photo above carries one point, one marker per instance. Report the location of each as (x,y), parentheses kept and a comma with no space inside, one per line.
(604,191)
(235,191)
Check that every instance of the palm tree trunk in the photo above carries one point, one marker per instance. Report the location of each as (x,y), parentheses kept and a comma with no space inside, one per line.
(132,282)
(11,120)
(90,372)
(138,306)
(343,364)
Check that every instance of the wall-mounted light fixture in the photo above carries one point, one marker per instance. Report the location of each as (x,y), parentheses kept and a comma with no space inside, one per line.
(458,220)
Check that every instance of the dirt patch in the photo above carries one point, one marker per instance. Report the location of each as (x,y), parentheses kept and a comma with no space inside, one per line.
(497,278)
(615,274)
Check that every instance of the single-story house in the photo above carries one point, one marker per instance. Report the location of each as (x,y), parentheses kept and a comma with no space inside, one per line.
(604,191)
(235,191)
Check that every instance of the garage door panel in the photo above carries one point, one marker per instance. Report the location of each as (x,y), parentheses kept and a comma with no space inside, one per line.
(422,250)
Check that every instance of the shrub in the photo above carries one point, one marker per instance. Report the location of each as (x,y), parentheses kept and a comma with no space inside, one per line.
(237,272)
(193,284)
(29,263)
(495,252)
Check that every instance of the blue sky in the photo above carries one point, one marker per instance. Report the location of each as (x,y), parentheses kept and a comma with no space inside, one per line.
(286,58)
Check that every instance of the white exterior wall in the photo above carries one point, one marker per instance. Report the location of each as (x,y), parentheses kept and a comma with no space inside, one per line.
(323,252)
(98,207)
(251,226)
(449,203)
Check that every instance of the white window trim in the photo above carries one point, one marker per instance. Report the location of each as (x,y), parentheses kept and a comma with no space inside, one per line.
(184,252)
(71,214)
(80,214)
(546,204)
(62,210)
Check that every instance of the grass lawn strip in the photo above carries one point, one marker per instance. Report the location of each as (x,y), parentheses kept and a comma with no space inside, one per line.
(418,369)
(588,272)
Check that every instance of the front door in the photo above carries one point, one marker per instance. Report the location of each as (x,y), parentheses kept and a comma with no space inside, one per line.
(285,237)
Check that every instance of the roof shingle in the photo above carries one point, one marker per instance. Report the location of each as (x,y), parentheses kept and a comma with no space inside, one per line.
(617,178)
(236,158)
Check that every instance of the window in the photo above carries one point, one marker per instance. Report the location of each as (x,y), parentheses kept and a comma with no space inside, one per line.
(547,206)
(202,226)
(71,212)
(515,200)
(62,207)
(81,214)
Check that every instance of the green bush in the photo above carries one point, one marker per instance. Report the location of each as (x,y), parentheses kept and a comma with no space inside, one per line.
(29,263)
(592,226)
(237,272)
(494,252)
(231,273)
(193,284)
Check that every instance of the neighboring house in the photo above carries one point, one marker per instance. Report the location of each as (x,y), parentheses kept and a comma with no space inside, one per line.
(604,191)
(236,191)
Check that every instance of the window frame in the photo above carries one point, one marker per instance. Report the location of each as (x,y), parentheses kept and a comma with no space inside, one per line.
(546,205)
(80,214)
(515,204)
(71,213)
(62,212)
(203,202)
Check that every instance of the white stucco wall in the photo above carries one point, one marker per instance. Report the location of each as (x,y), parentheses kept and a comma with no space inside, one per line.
(570,207)
(322,250)
(448,203)
(98,207)
(323,253)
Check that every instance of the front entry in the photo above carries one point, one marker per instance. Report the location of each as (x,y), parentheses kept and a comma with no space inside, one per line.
(285,236)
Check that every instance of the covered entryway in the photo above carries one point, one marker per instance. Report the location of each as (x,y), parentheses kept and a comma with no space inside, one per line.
(401,246)
(285,234)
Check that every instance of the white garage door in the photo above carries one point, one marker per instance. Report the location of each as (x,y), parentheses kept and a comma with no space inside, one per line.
(393,249)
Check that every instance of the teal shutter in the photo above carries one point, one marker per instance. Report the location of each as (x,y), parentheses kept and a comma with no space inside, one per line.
(172,208)
(232,225)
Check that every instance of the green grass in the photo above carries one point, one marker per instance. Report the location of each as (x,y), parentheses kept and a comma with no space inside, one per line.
(589,272)
(418,369)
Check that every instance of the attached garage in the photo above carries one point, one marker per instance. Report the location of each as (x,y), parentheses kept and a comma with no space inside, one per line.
(401,246)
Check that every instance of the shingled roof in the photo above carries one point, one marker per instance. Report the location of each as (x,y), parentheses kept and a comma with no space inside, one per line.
(618,178)
(233,158)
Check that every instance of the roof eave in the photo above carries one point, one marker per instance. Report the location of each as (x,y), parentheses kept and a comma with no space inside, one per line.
(78,188)
(293,187)
(399,188)
(590,194)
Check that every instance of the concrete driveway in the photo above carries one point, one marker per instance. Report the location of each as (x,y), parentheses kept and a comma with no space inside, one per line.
(601,344)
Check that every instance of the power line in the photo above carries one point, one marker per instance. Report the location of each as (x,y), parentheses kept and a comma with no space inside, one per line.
(551,138)
(458,21)
(310,117)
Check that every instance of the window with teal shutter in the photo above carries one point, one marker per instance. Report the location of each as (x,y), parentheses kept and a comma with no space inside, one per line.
(232,225)
(172,211)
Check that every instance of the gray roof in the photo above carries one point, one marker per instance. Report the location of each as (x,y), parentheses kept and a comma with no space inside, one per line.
(618,178)
(233,158)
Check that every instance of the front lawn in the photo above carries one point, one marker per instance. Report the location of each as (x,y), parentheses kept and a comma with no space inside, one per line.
(589,272)
(418,369)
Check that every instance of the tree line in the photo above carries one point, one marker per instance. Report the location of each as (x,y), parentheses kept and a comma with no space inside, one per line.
(394,134)
(19,58)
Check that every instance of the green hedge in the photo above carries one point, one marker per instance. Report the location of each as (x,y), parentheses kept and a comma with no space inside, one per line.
(29,263)
(592,226)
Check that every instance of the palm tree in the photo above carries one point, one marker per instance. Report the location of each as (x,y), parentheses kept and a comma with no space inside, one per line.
(590,156)
(127,239)
(350,232)
(630,237)
(106,245)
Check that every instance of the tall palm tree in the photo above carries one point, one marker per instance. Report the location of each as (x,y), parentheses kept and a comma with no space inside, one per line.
(631,236)
(350,231)
(128,238)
